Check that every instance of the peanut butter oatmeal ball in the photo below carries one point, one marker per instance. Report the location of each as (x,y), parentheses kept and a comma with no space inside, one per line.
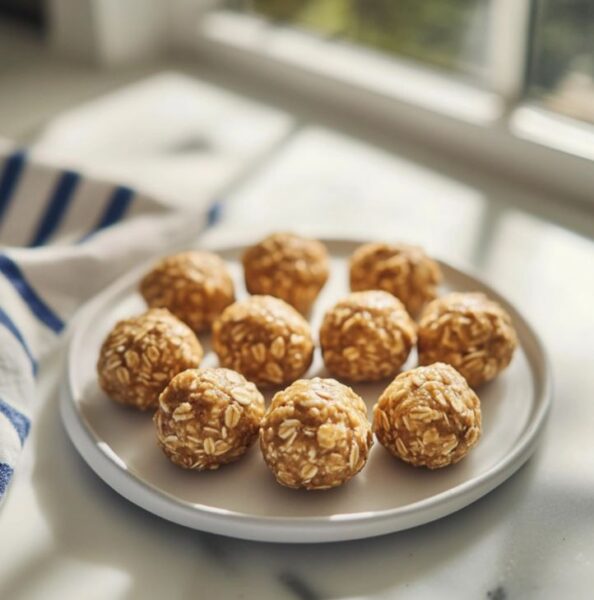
(264,339)
(367,336)
(404,271)
(315,434)
(470,332)
(195,286)
(208,417)
(428,417)
(287,266)
(141,354)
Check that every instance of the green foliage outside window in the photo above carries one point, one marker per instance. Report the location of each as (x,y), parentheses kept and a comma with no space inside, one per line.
(442,33)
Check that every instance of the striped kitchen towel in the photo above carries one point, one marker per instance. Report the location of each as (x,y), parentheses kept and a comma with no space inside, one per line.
(63,237)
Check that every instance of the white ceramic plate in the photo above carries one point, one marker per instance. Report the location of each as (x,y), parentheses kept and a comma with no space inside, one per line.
(242,499)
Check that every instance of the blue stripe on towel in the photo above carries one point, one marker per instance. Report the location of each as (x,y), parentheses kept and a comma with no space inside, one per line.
(19,421)
(36,305)
(116,207)
(13,167)
(56,208)
(7,322)
(115,210)
(6,472)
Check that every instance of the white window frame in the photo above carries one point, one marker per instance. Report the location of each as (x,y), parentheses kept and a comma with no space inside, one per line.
(496,129)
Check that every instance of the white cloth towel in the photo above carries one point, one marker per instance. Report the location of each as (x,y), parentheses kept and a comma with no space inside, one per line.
(63,237)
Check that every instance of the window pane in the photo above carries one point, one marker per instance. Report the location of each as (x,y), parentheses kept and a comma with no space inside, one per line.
(447,34)
(561,73)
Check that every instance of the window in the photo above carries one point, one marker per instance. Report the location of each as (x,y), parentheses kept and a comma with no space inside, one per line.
(494,79)
(462,38)
(561,72)
(508,84)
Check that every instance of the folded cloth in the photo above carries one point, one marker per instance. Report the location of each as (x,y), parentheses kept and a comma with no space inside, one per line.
(63,237)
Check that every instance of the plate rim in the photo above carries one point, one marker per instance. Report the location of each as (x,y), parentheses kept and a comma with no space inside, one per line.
(298,528)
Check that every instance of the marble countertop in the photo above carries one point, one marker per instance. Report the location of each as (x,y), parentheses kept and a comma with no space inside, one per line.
(65,534)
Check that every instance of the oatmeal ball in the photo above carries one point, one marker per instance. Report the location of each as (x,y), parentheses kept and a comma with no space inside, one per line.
(315,434)
(287,266)
(195,286)
(367,336)
(141,354)
(428,417)
(470,332)
(208,417)
(403,270)
(265,339)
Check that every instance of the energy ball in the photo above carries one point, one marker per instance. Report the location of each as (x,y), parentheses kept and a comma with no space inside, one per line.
(315,434)
(428,417)
(367,336)
(404,271)
(195,286)
(289,267)
(208,417)
(470,332)
(264,339)
(141,354)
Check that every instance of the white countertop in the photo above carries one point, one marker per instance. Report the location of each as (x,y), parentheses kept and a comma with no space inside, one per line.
(65,534)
